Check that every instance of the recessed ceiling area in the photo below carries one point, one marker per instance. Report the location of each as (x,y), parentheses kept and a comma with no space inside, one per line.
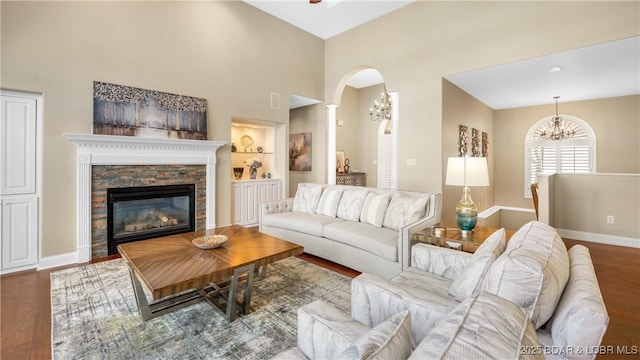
(328,17)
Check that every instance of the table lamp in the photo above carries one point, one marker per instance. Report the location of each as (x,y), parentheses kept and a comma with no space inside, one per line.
(467,171)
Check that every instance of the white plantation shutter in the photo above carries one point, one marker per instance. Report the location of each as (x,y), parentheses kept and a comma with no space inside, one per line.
(575,159)
(384,161)
(572,155)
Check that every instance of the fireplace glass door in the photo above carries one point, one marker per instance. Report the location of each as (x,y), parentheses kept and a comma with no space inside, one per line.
(139,213)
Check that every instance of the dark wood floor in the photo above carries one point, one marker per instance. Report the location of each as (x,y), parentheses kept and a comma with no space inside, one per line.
(25,319)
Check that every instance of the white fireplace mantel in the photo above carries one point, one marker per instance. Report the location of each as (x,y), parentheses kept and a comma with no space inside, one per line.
(128,150)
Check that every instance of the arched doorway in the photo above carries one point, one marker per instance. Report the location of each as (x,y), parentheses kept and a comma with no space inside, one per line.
(370,146)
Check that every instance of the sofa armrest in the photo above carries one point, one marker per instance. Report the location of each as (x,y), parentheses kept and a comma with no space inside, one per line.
(444,262)
(431,218)
(325,331)
(274,206)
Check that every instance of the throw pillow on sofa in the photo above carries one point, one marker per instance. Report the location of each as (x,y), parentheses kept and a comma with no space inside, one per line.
(351,204)
(532,272)
(390,339)
(307,198)
(374,208)
(482,327)
(470,281)
(329,200)
(403,210)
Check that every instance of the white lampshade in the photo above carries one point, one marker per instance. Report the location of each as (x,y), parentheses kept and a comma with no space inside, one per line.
(477,172)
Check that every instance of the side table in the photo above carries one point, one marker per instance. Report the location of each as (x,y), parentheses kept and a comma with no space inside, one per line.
(452,236)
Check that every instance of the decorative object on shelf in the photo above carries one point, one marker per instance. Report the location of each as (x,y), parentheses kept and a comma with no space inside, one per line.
(340,161)
(485,144)
(247,142)
(268,175)
(254,164)
(557,129)
(346,166)
(260,149)
(300,152)
(264,175)
(381,111)
(233,147)
(210,241)
(130,111)
(462,135)
(475,142)
(237,172)
(467,171)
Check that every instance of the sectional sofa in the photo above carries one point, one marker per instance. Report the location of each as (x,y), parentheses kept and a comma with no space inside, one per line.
(366,229)
(557,289)
(529,298)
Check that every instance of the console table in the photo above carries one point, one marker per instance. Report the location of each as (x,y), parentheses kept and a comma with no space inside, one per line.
(352,178)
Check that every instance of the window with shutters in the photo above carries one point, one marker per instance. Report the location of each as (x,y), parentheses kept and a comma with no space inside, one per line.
(576,154)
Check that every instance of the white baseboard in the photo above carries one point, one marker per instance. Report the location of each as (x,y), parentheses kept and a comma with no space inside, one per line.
(599,238)
(58,260)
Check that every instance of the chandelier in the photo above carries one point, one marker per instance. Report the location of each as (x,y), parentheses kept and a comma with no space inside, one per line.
(558,132)
(381,111)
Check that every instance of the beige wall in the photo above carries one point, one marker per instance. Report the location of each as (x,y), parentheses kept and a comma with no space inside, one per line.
(227,52)
(426,40)
(616,122)
(235,55)
(582,202)
(309,119)
(460,108)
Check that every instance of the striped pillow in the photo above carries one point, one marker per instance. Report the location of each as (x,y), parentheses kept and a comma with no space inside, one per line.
(329,201)
(374,208)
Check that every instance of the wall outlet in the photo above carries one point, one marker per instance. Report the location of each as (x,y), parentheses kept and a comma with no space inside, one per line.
(610,219)
(411,162)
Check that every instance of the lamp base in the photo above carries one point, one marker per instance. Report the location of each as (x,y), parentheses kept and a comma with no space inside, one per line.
(466,213)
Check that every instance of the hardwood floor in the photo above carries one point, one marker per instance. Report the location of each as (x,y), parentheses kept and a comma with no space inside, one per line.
(25,318)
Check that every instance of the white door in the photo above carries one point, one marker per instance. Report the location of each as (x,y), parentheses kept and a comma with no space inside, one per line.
(18,150)
(19,231)
(19,191)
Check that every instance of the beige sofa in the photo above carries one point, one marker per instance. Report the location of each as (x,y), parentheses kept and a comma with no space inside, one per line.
(366,229)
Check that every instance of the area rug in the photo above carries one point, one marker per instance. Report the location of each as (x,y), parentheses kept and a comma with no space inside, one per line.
(94,315)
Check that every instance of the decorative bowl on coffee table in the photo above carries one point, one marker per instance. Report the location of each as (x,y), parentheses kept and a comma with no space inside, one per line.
(210,241)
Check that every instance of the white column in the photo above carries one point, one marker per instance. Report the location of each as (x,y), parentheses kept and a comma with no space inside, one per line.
(211,191)
(83,211)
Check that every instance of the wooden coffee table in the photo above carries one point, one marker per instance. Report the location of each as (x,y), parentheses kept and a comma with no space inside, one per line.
(178,274)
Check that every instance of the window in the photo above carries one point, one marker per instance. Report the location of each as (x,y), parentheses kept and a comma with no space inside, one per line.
(573,155)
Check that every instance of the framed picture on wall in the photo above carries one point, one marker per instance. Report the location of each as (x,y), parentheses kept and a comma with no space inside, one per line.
(300,152)
(339,161)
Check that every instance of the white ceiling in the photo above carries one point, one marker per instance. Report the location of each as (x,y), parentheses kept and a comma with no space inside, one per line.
(329,17)
(599,71)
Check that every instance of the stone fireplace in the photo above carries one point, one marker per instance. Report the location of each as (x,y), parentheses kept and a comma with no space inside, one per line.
(121,161)
(139,202)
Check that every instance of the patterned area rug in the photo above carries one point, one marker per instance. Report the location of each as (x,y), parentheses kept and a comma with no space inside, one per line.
(95,316)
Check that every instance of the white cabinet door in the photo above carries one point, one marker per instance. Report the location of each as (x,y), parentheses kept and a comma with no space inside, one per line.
(251,204)
(269,190)
(245,203)
(237,204)
(19,231)
(18,146)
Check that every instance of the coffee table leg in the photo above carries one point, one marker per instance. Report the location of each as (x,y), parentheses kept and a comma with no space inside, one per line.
(233,291)
(141,299)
